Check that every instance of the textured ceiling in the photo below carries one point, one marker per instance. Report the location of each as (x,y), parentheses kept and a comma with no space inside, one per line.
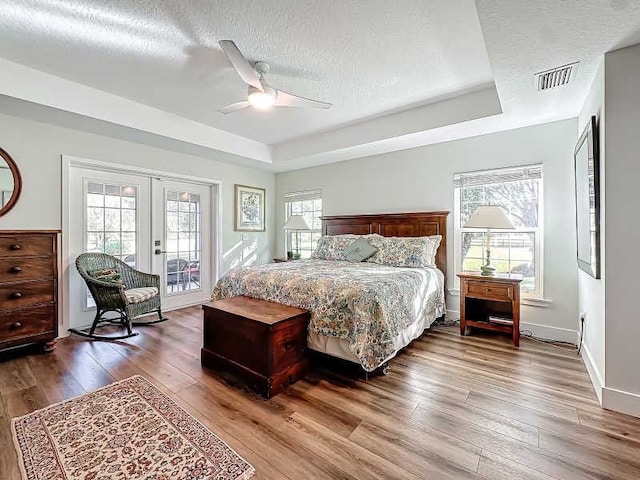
(364,56)
(400,73)
(527,37)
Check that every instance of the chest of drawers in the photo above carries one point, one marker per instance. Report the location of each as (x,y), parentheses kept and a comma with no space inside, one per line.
(28,288)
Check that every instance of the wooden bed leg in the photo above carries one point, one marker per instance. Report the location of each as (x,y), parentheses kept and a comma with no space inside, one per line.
(381,370)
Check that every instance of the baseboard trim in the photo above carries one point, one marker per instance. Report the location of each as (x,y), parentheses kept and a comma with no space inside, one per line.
(541,331)
(620,401)
(550,333)
(592,370)
(452,315)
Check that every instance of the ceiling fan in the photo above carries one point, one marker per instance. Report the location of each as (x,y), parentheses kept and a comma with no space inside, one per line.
(259,94)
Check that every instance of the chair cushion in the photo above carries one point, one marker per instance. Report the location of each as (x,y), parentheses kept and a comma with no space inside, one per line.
(110,275)
(137,295)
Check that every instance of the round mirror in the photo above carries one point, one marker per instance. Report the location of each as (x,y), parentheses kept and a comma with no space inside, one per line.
(10,182)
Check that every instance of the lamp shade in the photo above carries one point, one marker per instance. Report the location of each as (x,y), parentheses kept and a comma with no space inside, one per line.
(489,216)
(296,222)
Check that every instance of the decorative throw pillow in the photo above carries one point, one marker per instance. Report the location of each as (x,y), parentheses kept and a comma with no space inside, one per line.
(359,251)
(331,247)
(110,275)
(407,251)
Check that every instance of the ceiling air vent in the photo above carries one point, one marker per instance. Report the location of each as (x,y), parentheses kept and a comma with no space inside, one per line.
(556,77)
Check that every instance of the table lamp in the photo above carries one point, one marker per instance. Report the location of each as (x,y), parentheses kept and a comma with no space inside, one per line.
(489,217)
(296,223)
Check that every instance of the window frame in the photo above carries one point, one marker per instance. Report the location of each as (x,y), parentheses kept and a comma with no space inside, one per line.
(301,196)
(538,292)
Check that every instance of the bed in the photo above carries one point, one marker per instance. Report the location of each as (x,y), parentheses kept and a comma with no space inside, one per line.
(361,312)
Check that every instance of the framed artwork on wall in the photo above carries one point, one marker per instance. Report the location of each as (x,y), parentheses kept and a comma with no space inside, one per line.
(249,206)
(587,171)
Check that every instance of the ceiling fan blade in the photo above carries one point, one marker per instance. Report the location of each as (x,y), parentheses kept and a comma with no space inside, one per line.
(234,107)
(285,99)
(240,63)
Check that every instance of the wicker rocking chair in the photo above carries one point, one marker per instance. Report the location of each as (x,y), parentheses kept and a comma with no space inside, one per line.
(139,293)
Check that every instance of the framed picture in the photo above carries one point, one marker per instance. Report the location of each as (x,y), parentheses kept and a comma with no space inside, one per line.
(249,206)
(587,171)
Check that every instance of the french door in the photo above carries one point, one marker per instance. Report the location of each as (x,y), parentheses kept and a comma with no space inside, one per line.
(181,226)
(153,225)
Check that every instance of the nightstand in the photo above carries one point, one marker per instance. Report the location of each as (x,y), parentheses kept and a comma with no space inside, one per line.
(490,303)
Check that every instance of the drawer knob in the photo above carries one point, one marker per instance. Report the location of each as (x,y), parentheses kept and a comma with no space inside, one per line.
(16,247)
(16,269)
(15,326)
(488,290)
(16,295)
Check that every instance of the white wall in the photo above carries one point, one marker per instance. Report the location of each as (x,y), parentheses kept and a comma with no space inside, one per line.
(421,179)
(37,149)
(6,177)
(622,237)
(591,291)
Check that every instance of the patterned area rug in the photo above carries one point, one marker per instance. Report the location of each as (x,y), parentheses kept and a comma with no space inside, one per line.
(127,430)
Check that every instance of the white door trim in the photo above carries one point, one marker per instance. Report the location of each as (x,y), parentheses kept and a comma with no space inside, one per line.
(69,161)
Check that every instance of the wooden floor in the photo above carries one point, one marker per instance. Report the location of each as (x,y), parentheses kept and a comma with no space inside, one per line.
(450,408)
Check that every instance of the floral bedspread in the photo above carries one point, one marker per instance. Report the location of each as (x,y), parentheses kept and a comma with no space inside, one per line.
(366,303)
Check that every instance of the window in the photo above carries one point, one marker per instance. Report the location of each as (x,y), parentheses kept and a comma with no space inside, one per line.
(519,191)
(309,205)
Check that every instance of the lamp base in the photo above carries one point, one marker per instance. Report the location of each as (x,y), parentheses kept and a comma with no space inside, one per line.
(487,270)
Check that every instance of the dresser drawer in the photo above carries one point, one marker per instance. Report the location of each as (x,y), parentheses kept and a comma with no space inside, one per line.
(24,246)
(27,322)
(18,269)
(25,294)
(500,293)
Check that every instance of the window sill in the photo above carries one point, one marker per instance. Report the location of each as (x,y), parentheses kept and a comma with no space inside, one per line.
(531,301)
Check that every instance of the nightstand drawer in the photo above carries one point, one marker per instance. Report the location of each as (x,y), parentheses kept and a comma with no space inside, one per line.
(490,291)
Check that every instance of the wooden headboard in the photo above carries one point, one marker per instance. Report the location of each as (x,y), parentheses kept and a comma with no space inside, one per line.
(417,224)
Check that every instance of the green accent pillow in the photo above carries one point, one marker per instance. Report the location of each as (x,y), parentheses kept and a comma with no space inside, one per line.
(110,275)
(359,251)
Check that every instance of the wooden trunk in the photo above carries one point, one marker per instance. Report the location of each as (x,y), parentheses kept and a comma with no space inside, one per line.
(263,342)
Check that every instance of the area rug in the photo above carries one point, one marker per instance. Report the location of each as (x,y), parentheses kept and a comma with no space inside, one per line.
(126,430)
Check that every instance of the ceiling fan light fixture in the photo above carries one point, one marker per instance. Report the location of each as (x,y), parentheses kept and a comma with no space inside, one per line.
(262,100)
(260,95)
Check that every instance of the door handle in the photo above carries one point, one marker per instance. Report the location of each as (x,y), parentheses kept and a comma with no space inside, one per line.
(158,251)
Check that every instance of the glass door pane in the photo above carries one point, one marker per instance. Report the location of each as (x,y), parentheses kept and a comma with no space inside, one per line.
(181,234)
(183,244)
(110,222)
(107,212)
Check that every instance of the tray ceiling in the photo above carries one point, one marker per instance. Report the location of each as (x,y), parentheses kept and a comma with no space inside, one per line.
(399,74)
